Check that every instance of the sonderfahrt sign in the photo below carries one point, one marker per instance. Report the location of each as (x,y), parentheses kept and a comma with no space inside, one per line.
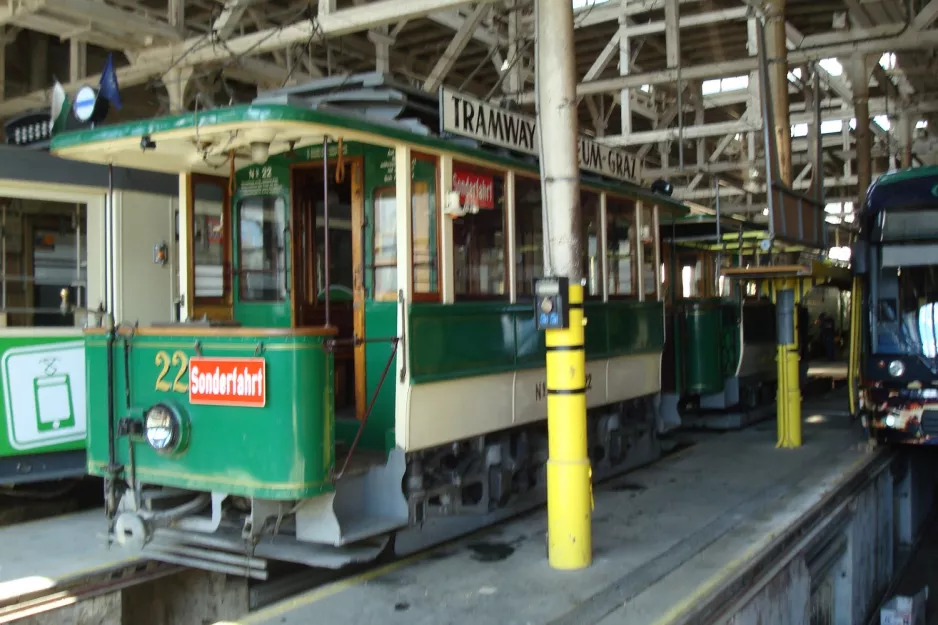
(468,117)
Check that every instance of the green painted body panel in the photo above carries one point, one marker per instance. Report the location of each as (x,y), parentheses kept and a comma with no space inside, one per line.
(704,365)
(480,338)
(380,322)
(283,450)
(43,393)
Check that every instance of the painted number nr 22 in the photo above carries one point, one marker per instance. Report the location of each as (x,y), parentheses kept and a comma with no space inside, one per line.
(180,362)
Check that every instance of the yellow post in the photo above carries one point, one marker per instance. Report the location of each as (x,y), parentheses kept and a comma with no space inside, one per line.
(569,496)
(789,374)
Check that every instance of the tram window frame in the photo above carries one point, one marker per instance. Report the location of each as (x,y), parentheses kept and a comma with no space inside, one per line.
(390,293)
(584,231)
(499,178)
(281,274)
(524,286)
(37,230)
(389,193)
(648,251)
(430,191)
(193,181)
(611,255)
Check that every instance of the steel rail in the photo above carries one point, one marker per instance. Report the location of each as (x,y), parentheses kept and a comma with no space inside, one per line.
(72,592)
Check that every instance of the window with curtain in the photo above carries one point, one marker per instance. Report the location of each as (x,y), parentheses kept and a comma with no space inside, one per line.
(621,244)
(479,243)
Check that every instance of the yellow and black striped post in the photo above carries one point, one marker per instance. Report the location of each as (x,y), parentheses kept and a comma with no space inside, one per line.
(569,488)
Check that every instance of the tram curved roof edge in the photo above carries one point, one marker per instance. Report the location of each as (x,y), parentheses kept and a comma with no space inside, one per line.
(277,124)
(907,189)
(23,165)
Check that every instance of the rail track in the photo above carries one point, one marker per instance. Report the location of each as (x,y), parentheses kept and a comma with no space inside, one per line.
(43,598)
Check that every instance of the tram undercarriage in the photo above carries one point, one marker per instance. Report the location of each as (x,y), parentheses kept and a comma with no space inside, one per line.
(405,504)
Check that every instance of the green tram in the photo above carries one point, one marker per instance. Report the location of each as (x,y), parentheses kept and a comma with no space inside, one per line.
(718,367)
(356,366)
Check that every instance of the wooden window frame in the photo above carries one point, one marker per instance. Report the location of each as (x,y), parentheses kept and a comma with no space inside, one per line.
(503,173)
(531,178)
(611,197)
(436,211)
(351,162)
(192,180)
(602,251)
(391,296)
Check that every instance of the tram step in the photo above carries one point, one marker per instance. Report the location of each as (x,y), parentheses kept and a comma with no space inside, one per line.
(365,504)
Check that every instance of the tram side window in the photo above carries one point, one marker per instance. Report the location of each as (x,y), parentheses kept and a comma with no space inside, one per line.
(424,235)
(479,239)
(649,275)
(261,249)
(209,259)
(384,244)
(620,247)
(210,264)
(529,237)
(424,242)
(44,251)
(590,224)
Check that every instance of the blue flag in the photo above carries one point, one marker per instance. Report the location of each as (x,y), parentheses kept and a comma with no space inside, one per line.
(108,87)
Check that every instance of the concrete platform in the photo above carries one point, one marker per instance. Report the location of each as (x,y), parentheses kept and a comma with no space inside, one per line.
(663,538)
(47,552)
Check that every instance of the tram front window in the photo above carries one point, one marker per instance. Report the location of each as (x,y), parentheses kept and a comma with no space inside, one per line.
(261,250)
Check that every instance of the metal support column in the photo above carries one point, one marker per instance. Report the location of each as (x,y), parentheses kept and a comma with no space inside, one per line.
(569,494)
(861,106)
(789,387)
(905,138)
(777,49)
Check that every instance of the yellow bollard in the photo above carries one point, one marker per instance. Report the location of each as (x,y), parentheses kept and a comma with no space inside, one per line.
(789,376)
(569,489)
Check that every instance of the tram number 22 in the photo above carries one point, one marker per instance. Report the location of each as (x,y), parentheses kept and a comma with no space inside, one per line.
(180,362)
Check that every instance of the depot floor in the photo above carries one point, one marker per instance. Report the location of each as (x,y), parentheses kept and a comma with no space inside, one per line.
(662,537)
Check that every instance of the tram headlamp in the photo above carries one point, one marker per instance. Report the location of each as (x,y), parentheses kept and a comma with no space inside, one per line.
(896,368)
(162,428)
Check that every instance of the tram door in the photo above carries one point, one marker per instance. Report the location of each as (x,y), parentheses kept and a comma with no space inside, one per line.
(343,194)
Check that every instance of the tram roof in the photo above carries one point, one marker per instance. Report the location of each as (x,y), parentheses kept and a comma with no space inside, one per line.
(289,120)
(903,189)
(20,166)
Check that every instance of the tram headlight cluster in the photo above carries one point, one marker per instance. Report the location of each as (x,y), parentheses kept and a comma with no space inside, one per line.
(164,429)
(896,368)
(897,420)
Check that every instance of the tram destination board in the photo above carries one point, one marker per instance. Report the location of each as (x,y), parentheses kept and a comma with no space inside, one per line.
(468,117)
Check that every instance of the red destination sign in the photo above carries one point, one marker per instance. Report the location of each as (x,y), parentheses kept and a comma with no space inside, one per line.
(469,184)
(228,382)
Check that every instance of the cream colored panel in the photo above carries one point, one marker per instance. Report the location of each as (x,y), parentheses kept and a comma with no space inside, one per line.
(441,412)
(145,288)
(531,391)
(94,243)
(634,376)
(445,411)
(757,358)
